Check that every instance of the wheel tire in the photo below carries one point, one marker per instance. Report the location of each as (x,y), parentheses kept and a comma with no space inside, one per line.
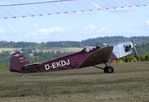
(108,69)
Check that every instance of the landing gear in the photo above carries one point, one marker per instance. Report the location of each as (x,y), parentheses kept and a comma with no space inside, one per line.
(106,69)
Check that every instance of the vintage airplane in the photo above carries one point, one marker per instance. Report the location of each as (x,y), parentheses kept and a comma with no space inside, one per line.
(80,59)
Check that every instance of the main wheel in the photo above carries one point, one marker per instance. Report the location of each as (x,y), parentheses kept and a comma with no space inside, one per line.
(108,69)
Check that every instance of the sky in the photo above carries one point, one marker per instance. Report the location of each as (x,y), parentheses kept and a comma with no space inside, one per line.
(76,27)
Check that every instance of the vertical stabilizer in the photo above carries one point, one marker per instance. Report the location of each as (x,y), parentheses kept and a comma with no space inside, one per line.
(17,61)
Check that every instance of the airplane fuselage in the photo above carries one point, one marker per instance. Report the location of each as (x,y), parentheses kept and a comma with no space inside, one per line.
(73,61)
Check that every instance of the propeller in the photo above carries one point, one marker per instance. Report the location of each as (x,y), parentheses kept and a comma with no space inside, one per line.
(134,48)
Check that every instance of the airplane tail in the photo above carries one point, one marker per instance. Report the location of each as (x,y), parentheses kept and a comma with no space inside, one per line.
(17,62)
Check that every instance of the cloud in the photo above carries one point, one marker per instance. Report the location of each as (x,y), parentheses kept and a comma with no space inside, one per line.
(101,29)
(44,34)
(147,22)
(95,5)
(45,31)
(89,27)
(51,30)
(30,34)
(2,30)
(35,25)
(8,30)
(93,28)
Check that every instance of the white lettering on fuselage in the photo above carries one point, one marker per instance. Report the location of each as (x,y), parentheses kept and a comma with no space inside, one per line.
(58,64)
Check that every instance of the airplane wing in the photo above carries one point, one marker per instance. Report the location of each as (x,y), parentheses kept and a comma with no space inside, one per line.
(100,56)
(12,9)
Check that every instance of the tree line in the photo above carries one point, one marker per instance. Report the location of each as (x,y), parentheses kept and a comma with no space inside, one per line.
(89,42)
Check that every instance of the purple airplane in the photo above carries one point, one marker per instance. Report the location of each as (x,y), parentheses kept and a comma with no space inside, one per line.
(81,59)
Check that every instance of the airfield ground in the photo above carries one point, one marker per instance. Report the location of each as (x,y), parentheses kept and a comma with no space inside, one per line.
(129,83)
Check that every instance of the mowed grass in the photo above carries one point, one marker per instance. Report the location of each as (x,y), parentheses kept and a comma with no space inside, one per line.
(59,49)
(8,49)
(129,83)
(55,49)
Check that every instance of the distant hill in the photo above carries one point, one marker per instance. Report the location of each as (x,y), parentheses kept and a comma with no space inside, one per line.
(116,39)
(89,42)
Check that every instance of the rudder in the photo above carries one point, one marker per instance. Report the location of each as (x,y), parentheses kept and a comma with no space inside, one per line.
(18,61)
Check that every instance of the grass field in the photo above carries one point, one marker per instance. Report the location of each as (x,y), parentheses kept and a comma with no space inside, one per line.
(129,83)
(55,49)
(8,49)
